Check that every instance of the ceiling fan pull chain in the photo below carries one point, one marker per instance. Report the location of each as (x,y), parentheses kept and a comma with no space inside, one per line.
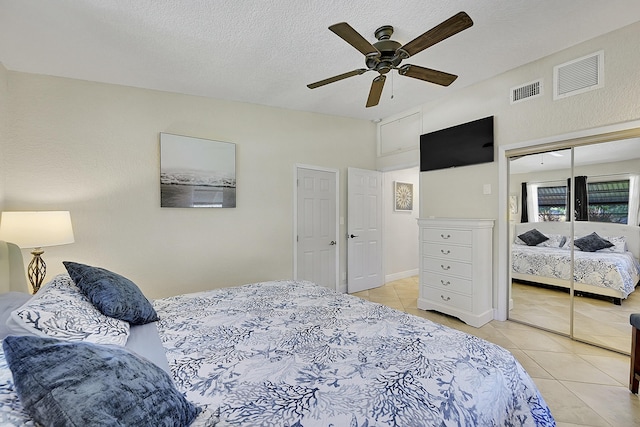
(391,86)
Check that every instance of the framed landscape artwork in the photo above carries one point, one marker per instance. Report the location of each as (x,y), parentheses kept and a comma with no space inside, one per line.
(196,172)
(403,196)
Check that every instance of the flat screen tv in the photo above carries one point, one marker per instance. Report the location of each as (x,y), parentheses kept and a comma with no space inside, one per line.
(462,145)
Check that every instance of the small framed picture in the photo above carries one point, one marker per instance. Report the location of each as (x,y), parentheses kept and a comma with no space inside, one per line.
(403,196)
(513,204)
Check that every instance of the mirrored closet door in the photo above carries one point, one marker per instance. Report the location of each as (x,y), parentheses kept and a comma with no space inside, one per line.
(579,277)
(537,185)
(601,313)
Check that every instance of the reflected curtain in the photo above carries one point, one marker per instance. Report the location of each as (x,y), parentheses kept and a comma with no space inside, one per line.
(581,201)
(524,215)
(634,200)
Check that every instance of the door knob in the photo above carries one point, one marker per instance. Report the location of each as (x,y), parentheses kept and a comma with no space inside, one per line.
(352,236)
(333,242)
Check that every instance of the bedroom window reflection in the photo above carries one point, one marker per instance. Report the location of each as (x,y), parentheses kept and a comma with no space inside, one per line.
(552,203)
(608,201)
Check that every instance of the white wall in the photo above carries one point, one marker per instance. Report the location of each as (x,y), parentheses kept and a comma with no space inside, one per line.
(93,149)
(400,227)
(533,119)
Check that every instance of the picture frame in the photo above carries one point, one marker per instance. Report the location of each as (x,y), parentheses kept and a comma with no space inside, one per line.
(196,172)
(403,196)
(513,204)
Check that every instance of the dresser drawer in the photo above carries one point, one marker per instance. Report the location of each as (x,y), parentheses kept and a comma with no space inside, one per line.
(459,237)
(447,267)
(452,299)
(447,283)
(460,253)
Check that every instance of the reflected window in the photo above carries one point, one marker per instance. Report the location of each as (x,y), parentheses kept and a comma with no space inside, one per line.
(552,203)
(608,201)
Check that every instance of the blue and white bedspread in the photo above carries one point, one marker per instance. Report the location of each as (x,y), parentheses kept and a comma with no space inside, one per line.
(615,270)
(295,354)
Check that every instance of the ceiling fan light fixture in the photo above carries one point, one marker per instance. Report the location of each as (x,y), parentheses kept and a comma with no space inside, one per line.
(387,54)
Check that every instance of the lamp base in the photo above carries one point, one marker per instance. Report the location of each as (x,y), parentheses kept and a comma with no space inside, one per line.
(36,270)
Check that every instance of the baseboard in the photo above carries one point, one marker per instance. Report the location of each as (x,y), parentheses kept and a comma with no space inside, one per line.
(401,275)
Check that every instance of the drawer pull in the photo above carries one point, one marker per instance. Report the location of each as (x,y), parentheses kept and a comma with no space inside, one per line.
(448,267)
(447,252)
(445,298)
(447,283)
(448,236)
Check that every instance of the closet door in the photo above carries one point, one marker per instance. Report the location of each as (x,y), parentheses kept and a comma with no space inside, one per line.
(601,306)
(540,286)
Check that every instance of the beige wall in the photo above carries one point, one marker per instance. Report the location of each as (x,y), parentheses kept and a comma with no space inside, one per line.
(93,149)
(4,137)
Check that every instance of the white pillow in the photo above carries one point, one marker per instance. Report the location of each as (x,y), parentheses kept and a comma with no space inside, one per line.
(619,244)
(555,241)
(60,310)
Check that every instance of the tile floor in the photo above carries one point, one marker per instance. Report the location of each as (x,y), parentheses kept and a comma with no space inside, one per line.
(595,320)
(582,384)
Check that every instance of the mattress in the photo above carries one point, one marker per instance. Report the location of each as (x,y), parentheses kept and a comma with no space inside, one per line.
(619,271)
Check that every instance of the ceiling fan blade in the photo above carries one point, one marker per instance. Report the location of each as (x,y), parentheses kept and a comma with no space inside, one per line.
(455,24)
(351,36)
(337,78)
(427,74)
(376,90)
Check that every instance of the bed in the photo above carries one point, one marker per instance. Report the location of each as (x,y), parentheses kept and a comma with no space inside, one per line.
(278,353)
(611,272)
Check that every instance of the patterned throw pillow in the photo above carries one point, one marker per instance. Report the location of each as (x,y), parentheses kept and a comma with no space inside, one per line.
(592,242)
(61,310)
(112,294)
(84,384)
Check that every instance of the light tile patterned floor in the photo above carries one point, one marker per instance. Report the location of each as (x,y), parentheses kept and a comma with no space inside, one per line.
(598,321)
(582,384)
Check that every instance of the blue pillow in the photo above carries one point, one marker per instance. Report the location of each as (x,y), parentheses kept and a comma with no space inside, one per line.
(62,383)
(592,243)
(533,237)
(114,295)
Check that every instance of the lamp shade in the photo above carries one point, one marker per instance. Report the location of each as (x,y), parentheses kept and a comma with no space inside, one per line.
(36,229)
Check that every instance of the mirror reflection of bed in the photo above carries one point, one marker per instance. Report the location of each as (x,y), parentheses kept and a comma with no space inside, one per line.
(605,292)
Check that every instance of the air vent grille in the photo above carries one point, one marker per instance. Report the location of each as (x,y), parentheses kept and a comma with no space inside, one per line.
(526,91)
(578,76)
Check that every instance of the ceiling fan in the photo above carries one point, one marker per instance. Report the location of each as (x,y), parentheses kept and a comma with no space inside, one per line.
(386,54)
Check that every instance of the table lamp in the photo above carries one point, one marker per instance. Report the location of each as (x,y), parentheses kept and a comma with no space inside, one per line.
(36,230)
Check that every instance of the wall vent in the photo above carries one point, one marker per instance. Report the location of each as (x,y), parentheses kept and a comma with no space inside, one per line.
(578,76)
(526,91)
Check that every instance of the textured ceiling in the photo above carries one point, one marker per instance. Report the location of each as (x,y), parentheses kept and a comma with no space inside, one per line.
(267,51)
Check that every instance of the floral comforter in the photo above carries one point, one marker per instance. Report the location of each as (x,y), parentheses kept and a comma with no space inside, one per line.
(615,270)
(295,354)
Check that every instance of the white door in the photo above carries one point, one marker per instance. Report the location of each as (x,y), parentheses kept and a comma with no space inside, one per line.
(364,230)
(316,227)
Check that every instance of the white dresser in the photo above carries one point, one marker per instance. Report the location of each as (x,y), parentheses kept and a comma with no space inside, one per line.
(456,268)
